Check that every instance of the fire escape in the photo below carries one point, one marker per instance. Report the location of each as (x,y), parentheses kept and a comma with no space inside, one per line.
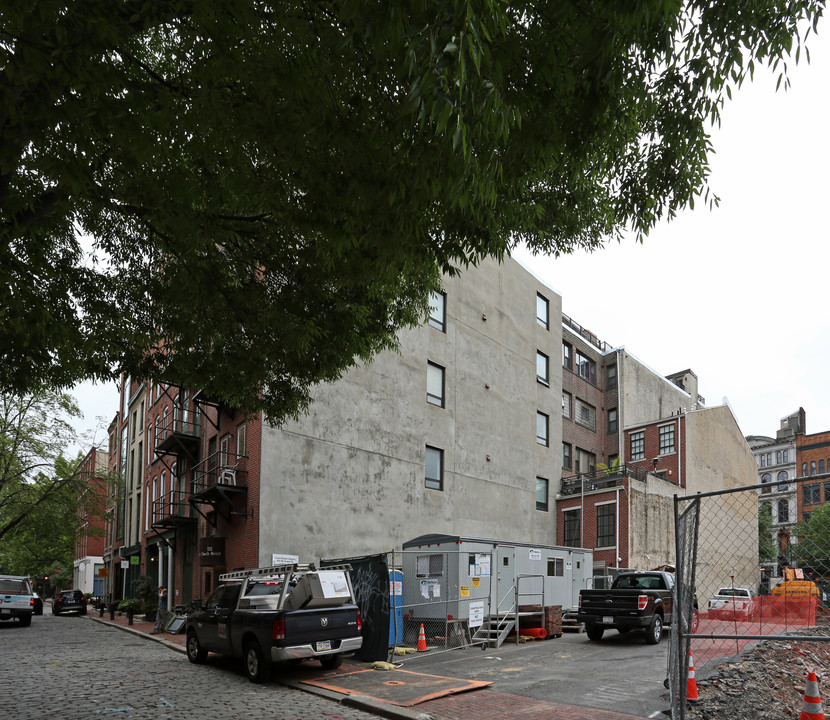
(177,443)
(220,481)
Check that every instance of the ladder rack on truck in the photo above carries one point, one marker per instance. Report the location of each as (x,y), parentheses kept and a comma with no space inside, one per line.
(279,570)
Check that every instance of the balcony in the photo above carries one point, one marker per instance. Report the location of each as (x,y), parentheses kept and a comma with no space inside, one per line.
(178,436)
(220,481)
(172,510)
(600,480)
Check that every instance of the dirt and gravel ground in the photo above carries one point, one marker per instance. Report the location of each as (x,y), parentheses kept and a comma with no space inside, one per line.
(767,683)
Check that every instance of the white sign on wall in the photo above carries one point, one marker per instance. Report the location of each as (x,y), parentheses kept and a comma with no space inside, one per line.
(277,559)
(534,554)
(476,614)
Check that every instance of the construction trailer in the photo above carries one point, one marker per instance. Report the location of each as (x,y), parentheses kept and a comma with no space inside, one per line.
(476,581)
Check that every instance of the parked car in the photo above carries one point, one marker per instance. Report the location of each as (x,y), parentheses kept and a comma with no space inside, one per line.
(636,600)
(267,615)
(69,601)
(37,604)
(732,603)
(16,599)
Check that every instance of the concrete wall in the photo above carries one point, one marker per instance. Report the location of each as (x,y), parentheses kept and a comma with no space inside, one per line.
(645,395)
(719,458)
(348,478)
(651,528)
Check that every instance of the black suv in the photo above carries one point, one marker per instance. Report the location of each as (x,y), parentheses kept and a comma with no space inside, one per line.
(69,601)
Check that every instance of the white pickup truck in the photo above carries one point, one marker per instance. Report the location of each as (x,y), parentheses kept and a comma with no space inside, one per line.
(732,603)
(16,599)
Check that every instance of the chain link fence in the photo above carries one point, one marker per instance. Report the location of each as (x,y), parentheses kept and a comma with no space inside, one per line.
(747,571)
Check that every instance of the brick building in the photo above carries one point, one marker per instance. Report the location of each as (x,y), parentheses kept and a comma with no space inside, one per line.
(90,540)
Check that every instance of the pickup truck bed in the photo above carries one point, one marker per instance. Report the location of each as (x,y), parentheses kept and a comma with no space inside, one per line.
(274,614)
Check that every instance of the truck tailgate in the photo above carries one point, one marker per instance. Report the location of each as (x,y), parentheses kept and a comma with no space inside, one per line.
(307,626)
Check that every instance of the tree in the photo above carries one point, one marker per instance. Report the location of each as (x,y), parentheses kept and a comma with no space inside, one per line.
(812,551)
(273,188)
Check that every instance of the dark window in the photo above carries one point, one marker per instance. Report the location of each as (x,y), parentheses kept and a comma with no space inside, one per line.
(542,494)
(783,511)
(812,494)
(542,428)
(585,414)
(567,356)
(813,467)
(611,377)
(585,462)
(435,384)
(566,405)
(612,420)
(434,473)
(638,445)
(556,567)
(666,433)
(438,310)
(606,525)
(765,478)
(804,469)
(586,368)
(566,456)
(542,365)
(542,311)
(570,523)
(820,467)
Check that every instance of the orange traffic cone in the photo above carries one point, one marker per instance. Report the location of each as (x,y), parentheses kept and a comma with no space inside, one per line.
(811,709)
(691,683)
(422,640)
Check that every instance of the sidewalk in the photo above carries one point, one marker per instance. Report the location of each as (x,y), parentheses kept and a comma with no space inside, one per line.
(484,704)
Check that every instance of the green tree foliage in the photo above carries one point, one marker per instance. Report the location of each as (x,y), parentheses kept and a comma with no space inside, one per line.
(40,491)
(273,188)
(812,550)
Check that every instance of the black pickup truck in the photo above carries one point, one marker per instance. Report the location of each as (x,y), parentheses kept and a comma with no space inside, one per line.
(643,600)
(267,615)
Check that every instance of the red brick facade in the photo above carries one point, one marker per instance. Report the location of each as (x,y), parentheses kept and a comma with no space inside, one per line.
(812,458)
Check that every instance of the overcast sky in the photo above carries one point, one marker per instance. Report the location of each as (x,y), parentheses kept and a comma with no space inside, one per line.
(739,293)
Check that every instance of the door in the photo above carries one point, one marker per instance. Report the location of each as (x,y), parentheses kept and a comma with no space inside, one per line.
(505,574)
(214,632)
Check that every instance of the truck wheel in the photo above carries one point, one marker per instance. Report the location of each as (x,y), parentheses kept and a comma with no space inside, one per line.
(195,652)
(329,662)
(623,630)
(25,620)
(257,668)
(654,631)
(594,633)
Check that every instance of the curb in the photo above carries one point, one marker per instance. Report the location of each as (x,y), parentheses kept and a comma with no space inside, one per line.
(138,633)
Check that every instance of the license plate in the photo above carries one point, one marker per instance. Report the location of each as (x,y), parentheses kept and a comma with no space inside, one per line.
(324,645)
(607,619)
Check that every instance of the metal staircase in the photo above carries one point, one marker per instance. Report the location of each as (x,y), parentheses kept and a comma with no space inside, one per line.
(493,631)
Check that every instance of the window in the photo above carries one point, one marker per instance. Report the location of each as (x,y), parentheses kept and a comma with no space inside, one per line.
(570,523)
(638,445)
(783,511)
(542,311)
(556,567)
(813,467)
(765,478)
(586,368)
(541,428)
(782,475)
(566,405)
(224,447)
(666,433)
(429,565)
(542,494)
(778,457)
(611,377)
(567,356)
(606,525)
(434,474)
(812,494)
(763,460)
(612,420)
(435,384)
(542,363)
(585,414)
(804,469)
(786,454)
(566,456)
(827,492)
(241,439)
(585,461)
(820,467)
(438,310)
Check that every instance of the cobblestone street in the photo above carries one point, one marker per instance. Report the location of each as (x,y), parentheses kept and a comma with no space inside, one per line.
(72,668)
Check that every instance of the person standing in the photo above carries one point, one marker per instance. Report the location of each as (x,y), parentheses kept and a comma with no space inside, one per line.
(161,613)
